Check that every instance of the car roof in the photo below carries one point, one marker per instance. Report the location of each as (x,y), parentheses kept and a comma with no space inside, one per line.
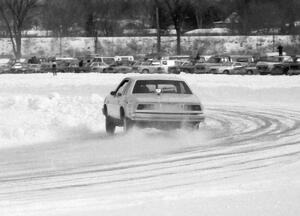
(155,77)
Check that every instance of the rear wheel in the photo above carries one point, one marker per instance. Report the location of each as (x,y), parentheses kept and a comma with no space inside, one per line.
(110,125)
(226,72)
(145,71)
(249,72)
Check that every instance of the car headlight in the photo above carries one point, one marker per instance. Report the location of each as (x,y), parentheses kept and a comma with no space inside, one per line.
(193,107)
(145,107)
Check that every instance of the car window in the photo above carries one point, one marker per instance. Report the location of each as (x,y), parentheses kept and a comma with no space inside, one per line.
(166,86)
(108,60)
(214,60)
(242,60)
(122,87)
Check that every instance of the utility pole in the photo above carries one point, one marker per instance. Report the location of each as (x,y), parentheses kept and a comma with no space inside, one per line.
(60,40)
(273,40)
(158,31)
(96,35)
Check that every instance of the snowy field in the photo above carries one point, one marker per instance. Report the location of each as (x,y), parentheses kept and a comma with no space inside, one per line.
(55,158)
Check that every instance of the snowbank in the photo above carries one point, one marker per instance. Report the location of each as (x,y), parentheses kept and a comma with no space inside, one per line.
(56,159)
(41,107)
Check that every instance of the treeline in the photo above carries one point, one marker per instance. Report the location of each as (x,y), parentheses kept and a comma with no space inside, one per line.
(93,18)
(111,17)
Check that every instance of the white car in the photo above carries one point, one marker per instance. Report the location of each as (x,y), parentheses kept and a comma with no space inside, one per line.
(229,68)
(98,66)
(149,67)
(161,101)
(163,66)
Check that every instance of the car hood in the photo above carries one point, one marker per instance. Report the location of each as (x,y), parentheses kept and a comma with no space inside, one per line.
(166,98)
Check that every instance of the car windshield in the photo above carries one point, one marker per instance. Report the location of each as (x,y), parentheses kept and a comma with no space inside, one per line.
(166,86)
(108,61)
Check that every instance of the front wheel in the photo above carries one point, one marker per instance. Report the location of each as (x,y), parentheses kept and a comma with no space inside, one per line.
(110,125)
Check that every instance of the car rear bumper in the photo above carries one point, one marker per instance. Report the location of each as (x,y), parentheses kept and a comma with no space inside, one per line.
(193,117)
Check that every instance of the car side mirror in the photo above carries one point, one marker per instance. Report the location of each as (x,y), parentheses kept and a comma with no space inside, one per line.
(113,93)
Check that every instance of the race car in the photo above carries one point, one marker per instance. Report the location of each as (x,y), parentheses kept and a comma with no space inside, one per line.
(161,101)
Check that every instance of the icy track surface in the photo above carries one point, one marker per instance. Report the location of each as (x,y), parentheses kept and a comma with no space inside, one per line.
(55,158)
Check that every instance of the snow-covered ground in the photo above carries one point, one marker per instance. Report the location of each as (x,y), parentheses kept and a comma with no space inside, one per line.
(55,158)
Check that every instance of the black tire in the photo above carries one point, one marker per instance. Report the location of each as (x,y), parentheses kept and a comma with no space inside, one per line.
(226,72)
(249,72)
(110,125)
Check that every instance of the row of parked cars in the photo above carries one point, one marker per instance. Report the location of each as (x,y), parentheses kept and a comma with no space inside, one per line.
(237,64)
(217,64)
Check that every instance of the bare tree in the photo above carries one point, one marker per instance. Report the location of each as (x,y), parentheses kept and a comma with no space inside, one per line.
(60,16)
(200,6)
(177,10)
(15,14)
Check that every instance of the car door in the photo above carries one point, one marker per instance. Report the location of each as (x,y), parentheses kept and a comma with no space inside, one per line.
(116,100)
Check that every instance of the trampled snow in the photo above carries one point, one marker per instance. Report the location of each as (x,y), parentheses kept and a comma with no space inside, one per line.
(57,160)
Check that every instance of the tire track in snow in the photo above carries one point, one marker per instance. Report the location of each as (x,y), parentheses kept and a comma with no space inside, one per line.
(243,140)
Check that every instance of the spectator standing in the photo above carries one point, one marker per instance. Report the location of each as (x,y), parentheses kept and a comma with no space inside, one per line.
(54,64)
(280,50)
(80,64)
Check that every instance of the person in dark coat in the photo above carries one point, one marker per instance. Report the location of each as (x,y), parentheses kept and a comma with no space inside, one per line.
(280,50)
(54,64)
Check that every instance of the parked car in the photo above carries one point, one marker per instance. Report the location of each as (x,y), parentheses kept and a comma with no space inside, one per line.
(5,64)
(187,67)
(98,66)
(251,69)
(160,101)
(149,67)
(177,57)
(193,67)
(19,67)
(127,60)
(274,65)
(34,68)
(117,68)
(171,66)
(66,64)
(212,62)
(157,66)
(294,69)
(229,68)
(105,60)
(245,60)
